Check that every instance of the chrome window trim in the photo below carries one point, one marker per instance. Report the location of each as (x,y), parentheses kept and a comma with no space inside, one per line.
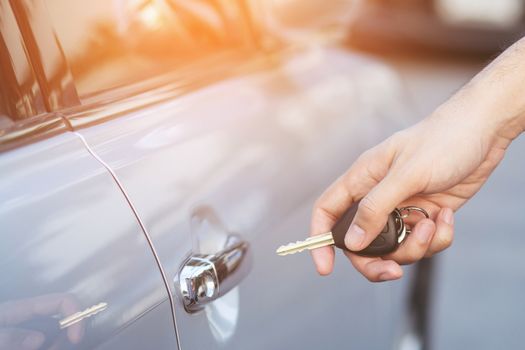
(173,85)
(32,130)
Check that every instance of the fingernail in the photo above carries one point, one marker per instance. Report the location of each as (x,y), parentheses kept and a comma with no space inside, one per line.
(448,216)
(424,232)
(354,237)
(33,341)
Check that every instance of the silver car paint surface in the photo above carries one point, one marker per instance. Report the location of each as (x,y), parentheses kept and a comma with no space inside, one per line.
(257,150)
(70,241)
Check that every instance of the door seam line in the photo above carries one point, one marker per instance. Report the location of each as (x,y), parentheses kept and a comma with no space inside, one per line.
(143,228)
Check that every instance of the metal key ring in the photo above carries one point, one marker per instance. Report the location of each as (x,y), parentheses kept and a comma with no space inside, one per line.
(412,208)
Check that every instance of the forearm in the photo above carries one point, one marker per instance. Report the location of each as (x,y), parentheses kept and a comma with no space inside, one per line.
(498,92)
(492,104)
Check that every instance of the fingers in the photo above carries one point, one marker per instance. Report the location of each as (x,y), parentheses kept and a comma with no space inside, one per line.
(375,269)
(324,260)
(416,245)
(354,184)
(374,209)
(444,234)
(382,188)
(322,221)
(427,238)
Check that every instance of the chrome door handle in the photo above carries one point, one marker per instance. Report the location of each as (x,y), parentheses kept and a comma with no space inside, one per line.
(206,277)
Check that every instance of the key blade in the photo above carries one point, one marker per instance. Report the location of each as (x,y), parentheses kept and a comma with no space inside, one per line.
(310,243)
(290,248)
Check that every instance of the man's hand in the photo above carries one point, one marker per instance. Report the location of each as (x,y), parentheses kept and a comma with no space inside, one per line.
(438,165)
(431,165)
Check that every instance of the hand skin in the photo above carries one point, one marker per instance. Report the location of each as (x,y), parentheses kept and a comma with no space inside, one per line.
(437,164)
(15,312)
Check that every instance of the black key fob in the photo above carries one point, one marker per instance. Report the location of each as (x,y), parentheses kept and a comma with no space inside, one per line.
(388,240)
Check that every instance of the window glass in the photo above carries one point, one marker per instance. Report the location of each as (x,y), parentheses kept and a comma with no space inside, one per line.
(20,96)
(5,120)
(110,43)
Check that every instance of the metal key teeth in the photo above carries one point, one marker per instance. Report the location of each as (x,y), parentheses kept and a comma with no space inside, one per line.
(309,243)
(291,248)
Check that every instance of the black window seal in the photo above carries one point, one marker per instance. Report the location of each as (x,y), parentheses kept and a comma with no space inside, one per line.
(55,78)
(31,120)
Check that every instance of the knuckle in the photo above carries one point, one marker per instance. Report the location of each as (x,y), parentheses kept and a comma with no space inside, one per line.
(319,202)
(368,207)
(395,140)
(370,213)
(319,212)
(371,278)
(445,241)
(399,135)
(442,241)
(391,142)
(316,208)
(366,156)
(413,255)
(408,255)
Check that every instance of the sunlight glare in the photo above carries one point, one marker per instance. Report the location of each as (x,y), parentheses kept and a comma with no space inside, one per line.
(150,16)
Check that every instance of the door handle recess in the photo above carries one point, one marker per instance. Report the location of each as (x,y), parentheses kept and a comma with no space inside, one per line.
(206,277)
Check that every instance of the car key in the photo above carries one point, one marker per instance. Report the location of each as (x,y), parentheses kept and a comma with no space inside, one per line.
(386,242)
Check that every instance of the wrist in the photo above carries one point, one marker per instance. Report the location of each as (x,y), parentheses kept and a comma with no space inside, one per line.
(475,111)
(499,113)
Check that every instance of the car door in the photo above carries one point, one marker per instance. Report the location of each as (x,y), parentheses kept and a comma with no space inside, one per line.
(222,148)
(77,270)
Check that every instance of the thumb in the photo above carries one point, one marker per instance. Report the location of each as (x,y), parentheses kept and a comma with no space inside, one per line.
(374,209)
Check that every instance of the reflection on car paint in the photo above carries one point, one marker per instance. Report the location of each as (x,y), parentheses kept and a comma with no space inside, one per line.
(77,317)
(70,242)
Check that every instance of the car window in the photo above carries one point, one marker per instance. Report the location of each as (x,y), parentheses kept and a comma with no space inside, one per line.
(120,42)
(20,96)
(5,120)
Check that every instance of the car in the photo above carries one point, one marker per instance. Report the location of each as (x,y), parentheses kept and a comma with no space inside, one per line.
(154,154)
